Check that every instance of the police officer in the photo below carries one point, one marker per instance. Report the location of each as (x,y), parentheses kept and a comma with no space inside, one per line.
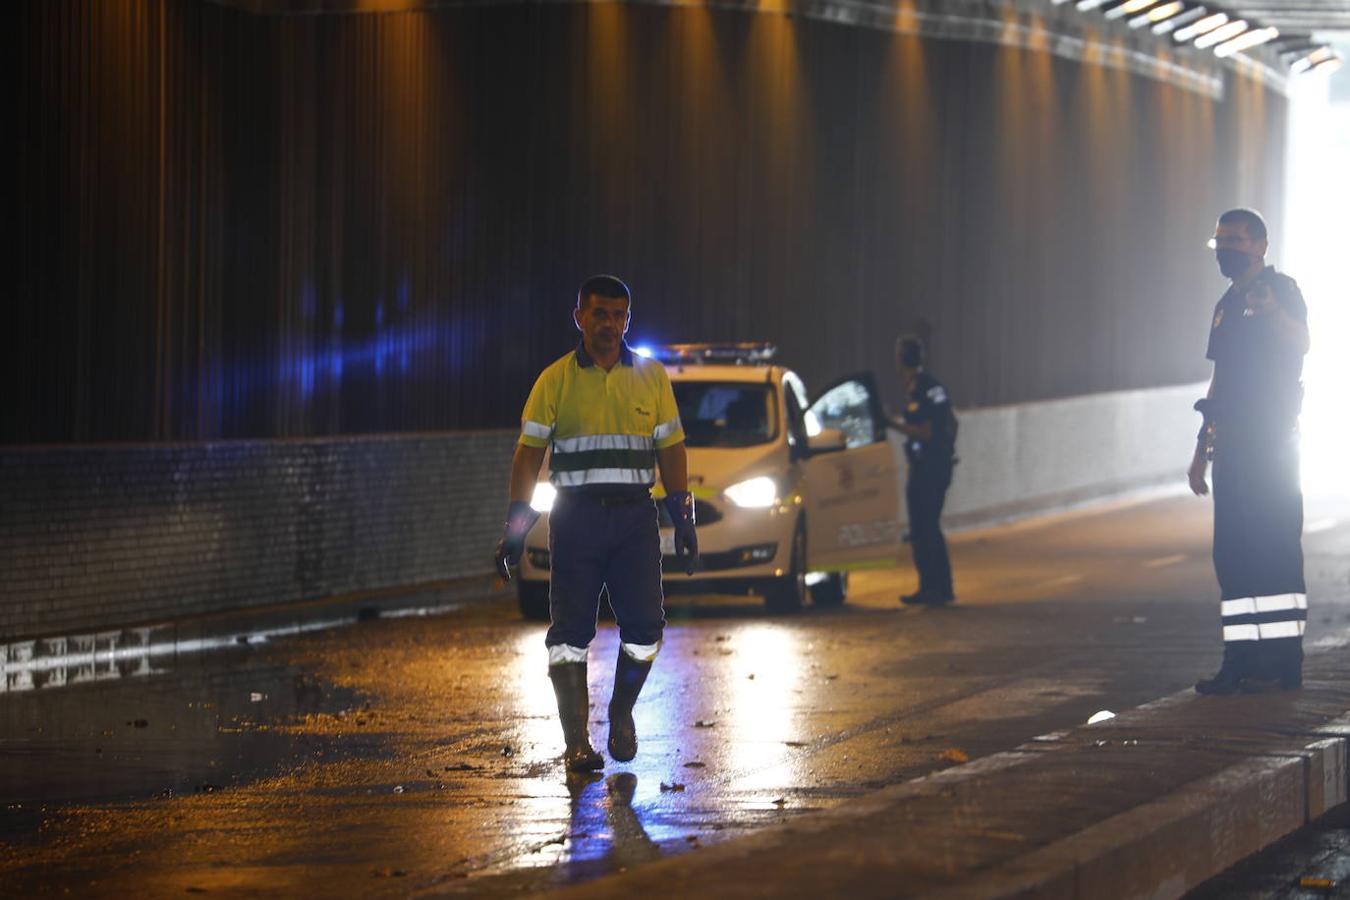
(1257,341)
(929,427)
(610,419)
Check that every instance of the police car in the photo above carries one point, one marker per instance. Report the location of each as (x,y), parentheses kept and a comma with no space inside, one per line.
(790,492)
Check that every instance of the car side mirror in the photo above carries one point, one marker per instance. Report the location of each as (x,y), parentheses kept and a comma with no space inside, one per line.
(829,440)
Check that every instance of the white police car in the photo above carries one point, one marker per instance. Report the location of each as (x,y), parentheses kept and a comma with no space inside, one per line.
(790,494)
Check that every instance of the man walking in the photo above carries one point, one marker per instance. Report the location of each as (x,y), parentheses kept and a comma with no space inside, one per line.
(929,427)
(610,419)
(1257,341)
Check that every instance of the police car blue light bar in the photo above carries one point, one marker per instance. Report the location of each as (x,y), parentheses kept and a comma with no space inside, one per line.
(744,353)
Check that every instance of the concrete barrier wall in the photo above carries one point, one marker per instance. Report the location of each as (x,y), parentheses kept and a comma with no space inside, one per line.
(1026,457)
(104,537)
(101,537)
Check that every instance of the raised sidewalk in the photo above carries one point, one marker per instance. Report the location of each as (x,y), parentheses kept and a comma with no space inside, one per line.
(1148,804)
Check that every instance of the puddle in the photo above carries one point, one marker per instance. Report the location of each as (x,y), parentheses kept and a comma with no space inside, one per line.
(191,725)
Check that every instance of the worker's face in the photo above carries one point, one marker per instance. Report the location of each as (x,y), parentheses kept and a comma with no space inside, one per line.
(906,372)
(603,322)
(1235,251)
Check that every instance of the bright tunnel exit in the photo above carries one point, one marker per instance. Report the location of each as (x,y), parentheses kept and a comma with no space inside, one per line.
(1314,253)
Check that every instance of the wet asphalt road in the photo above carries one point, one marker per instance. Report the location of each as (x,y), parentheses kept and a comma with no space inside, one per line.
(418,756)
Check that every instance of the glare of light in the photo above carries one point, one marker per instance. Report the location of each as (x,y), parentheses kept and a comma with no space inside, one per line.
(643,350)
(759,492)
(762,714)
(1101,716)
(1157,14)
(812,422)
(1208,23)
(1085,5)
(1128,7)
(544,495)
(814,578)
(1246,41)
(1309,249)
(1219,35)
(1190,15)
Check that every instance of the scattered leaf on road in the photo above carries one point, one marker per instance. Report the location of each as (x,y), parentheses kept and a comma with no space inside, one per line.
(673,786)
(952,754)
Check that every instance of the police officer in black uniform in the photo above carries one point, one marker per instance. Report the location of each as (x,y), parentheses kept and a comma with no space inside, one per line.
(929,427)
(1257,340)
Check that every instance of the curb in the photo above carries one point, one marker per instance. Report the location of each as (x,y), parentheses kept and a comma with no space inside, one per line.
(1265,767)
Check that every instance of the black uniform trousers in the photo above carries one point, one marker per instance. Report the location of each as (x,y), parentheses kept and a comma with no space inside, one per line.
(596,542)
(925,494)
(1258,551)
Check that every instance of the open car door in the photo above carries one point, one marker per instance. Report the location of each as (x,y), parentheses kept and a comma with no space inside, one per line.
(852,494)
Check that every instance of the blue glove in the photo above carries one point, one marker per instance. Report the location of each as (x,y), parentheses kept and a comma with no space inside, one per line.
(520,518)
(680,505)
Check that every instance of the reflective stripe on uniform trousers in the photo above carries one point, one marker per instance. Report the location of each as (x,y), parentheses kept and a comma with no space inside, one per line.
(562,654)
(641,652)
(1271,617)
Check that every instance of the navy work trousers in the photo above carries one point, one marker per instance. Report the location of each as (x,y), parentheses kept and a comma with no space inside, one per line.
(925,493)
(593,545)
(1258,517)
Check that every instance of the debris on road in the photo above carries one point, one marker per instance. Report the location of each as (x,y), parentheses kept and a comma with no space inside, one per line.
(674,786)
(952,754)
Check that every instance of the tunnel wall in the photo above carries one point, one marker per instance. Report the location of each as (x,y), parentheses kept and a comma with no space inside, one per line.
(244,241)
(98,537)
(242,226)
(104,537)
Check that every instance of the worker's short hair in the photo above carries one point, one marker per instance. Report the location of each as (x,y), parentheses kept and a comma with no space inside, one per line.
(1256,226)
(910,350)
(608,286)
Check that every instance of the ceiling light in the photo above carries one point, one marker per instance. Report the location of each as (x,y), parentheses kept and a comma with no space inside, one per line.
(1208,23)
(1219,35)
(1246,41)
(1128,7)
(1327,66)
(1157,14)
(1185,18)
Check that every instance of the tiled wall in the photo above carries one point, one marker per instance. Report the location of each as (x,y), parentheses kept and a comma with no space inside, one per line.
(96,537)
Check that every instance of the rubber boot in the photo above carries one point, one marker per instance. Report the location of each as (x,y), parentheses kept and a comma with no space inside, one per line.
(1239,659)
(574,711)
(629,676)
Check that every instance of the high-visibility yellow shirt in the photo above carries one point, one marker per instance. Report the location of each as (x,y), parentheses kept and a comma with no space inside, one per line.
(604,428)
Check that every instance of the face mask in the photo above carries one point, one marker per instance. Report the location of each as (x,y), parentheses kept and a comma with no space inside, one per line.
(1232,263)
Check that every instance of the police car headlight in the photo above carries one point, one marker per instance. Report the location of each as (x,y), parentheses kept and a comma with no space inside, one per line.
(544,495)
(753,493)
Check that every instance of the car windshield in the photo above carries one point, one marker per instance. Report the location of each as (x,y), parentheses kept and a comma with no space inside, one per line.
(726,414)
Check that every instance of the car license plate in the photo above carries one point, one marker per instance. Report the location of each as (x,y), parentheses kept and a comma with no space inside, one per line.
(668,544)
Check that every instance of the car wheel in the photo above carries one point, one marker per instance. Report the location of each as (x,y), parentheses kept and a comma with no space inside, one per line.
(533,599)
(788,593)
(830,593)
